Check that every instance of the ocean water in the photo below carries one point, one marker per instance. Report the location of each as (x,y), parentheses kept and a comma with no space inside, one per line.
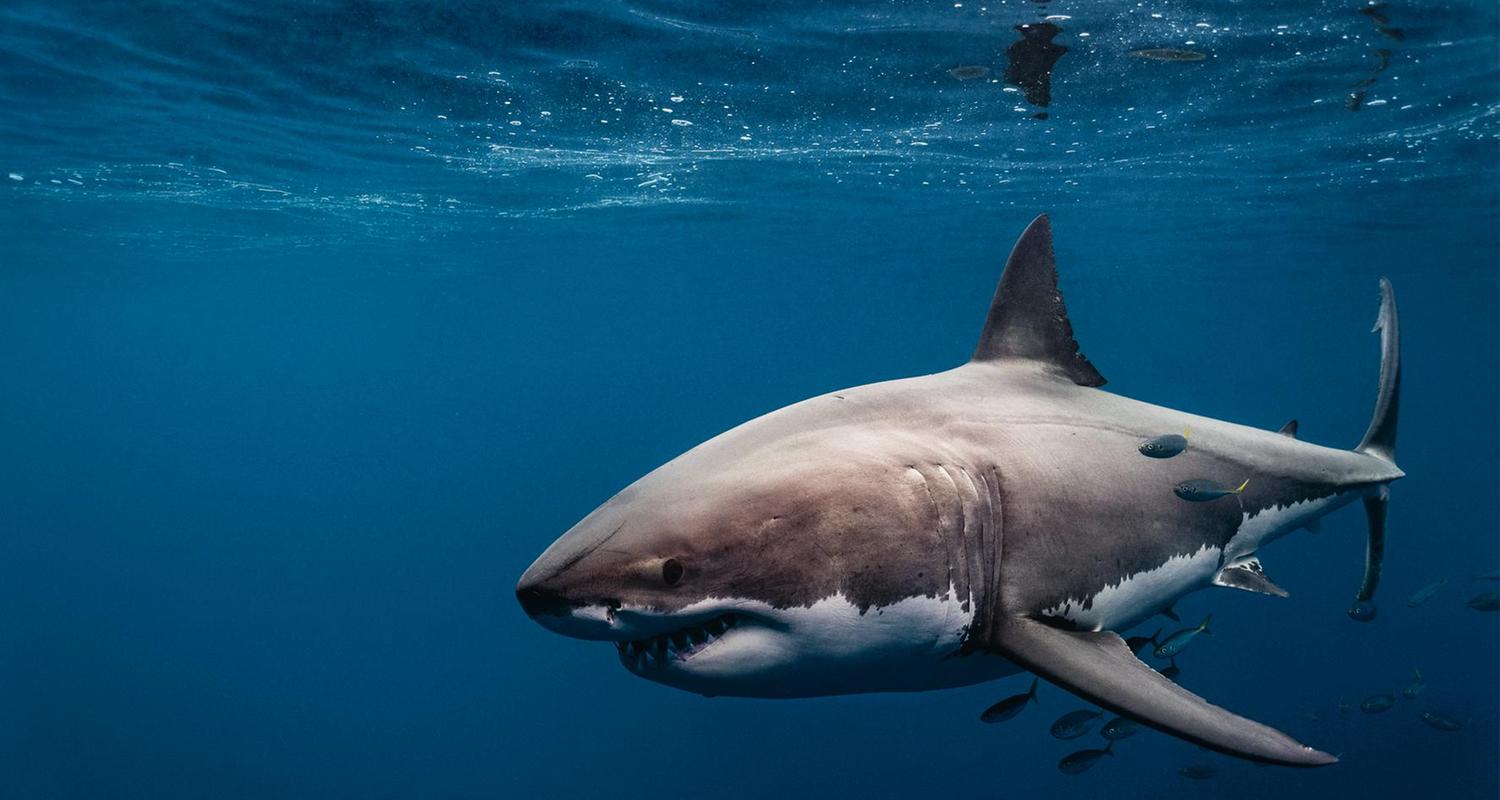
(320,320)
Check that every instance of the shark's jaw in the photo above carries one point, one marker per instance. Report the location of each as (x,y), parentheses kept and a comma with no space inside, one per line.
(748,648)
(678,647)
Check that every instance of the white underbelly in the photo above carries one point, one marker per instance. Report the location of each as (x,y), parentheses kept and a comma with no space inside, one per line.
(1139,595)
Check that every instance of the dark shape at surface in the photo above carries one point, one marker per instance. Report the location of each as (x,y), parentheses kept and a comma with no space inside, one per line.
(1376,12)
(1031,60)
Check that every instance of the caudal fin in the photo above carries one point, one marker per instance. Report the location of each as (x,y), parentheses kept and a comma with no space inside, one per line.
(1380,438)
(1380,442)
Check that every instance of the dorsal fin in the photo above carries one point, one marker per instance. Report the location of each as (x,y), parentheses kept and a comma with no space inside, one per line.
(1289,430)
(1027,317)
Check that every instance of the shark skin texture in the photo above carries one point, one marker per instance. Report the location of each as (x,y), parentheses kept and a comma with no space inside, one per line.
(954,528)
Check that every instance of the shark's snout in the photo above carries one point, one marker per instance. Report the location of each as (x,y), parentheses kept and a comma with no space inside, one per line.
(545,598)
(538,598)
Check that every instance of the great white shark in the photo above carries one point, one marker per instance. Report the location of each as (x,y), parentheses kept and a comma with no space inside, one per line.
(954,528)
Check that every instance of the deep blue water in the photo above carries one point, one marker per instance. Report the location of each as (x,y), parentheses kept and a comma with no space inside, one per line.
(319,321)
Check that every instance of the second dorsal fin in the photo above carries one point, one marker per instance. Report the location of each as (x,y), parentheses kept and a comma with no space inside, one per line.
(1289,430)
(1028,320)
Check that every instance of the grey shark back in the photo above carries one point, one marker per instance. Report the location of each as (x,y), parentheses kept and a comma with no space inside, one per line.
(957,527)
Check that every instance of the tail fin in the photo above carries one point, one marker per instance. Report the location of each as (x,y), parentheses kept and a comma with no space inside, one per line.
(1380,438)
(1380,441)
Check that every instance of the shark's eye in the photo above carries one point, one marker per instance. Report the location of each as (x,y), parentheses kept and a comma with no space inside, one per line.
(671,571)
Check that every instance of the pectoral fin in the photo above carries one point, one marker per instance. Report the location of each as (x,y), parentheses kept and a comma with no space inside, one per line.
(1097,666)
(1250,576)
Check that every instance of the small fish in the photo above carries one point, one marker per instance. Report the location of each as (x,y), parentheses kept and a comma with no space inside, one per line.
(1172,671)
(1363,611)
(1165,445)
(1442,722)
(1197,772)
(1168,54)
(1415,687)
(969,72)
(1488,601)
(1493,575)
(1074,724)
(1377,703)
(1311,716)
(1119,728)
(1010,706)
(1179,640)
(1201,490)
(1424,594)
(1137,643)
(1079,762)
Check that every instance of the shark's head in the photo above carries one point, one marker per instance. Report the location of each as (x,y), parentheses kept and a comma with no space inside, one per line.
(779,559)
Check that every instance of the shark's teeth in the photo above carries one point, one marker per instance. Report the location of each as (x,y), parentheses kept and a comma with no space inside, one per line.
(675,647)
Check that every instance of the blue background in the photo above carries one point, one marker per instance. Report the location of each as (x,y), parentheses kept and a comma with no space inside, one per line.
(316,330)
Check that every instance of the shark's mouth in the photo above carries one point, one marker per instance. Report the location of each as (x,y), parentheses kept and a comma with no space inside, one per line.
(676,647)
